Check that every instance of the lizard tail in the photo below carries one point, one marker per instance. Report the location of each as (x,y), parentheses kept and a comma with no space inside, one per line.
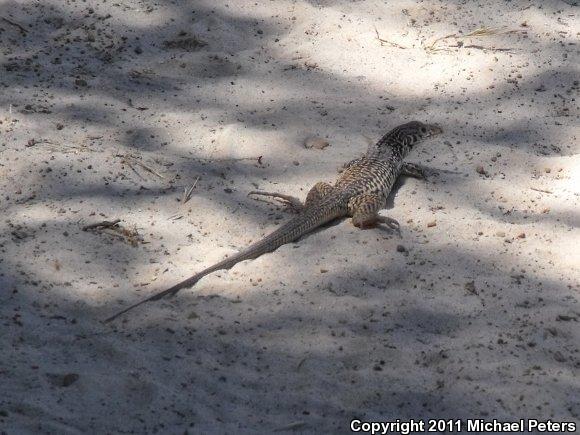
(302,224)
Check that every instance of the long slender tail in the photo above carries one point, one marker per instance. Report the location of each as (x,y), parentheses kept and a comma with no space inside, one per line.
(324,212)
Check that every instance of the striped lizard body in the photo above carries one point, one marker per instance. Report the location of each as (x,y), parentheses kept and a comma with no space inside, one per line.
(360,191)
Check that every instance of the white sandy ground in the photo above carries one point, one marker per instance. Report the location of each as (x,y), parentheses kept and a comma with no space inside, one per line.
(472,320)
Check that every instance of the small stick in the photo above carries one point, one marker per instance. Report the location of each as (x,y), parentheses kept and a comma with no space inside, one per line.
(230,159)
(128,159)
(15,24)
(541,190)
(187,192)
(479,47)
(32,142)
(103,224)
(128,163)
(148,169)
(432,46)
(394,44)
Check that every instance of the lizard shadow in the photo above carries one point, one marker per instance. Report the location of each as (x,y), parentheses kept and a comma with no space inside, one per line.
(430,175)
(401,181)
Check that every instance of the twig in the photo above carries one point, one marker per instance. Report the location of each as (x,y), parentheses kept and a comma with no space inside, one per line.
(32,142)
(128,163)
(187,192)
(103,224)
(15,24)
(148,169)
(114,234)
(385,41)
(301,363)
(131,160)
(113,229)
(230,159)
(480,47)
(541,190)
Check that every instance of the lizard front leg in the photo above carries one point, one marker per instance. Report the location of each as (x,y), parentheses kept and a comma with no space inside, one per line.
(412,170)
(364,210)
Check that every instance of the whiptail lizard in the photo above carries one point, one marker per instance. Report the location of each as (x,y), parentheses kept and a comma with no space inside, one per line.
(360,191)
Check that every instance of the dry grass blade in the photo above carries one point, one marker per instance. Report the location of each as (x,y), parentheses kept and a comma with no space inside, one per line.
(484,31)
(187,192)
(133,161)
(386,41)
(542,190)
(128,163)
(478,33)
(150,170)
(15,24)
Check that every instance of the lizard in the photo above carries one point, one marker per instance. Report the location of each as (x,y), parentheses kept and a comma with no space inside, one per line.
(360,191)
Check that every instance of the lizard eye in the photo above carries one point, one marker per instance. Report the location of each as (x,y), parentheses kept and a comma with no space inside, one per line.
(423,130)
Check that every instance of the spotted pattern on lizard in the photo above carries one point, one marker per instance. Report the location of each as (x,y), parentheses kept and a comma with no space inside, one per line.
(360,191)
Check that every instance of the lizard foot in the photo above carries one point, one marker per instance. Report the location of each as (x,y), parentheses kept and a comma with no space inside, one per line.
(368,222)
(390,222)
(413,170)
(289,201)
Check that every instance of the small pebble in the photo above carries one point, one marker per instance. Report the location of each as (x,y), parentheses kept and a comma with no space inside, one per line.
(69,379)
(316,142)
(401,248)
(431,224)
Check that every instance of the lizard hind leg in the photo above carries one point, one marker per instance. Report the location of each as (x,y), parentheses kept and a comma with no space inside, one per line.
(365,212)
(318,191)
(289,201)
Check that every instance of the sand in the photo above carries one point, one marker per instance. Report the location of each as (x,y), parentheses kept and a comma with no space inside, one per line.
(110,110)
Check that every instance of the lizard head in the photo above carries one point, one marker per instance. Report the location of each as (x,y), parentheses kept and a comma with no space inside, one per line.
(400,140)
(414,132)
